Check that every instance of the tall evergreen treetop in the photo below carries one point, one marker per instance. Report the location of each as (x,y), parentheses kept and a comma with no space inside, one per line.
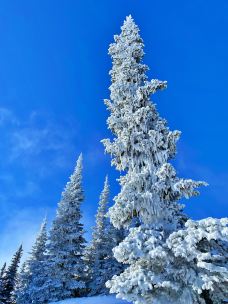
(38,251)
(66,241)
(101,221)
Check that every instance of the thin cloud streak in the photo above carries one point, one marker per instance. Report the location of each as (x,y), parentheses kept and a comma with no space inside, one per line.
(21,228)
(7,116)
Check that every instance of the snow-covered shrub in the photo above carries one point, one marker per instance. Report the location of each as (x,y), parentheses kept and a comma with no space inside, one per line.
(190,266)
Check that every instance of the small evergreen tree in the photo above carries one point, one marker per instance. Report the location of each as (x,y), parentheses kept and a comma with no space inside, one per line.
(101,263)
(9,280)
(162,266)
(3,270)
(33,276)
(22,285)
(2,274)
(66,242)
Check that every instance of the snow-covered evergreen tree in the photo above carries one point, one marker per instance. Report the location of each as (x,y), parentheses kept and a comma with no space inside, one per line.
(67,243)
(2,274)
(143,144)
(101,263)
(150,192)
(21,287)
(3,270)
(33,276)
(9,280)
(189,266)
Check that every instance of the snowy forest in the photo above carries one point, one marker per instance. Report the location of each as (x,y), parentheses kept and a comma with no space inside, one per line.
(144,249)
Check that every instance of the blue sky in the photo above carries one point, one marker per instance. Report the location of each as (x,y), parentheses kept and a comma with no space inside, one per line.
(53,79)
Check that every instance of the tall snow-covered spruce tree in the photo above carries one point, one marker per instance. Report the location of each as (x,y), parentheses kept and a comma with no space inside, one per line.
(170,259)
(33,276)
(67,243)
(101,263)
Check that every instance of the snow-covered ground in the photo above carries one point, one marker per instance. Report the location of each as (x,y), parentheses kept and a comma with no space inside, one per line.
(93,300)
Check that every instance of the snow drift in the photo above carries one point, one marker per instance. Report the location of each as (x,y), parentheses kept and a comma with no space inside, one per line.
(93,300)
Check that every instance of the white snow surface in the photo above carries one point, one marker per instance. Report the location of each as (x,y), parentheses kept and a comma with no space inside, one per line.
(93,300)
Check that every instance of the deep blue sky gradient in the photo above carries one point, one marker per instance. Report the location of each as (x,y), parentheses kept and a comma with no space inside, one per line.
(53,79)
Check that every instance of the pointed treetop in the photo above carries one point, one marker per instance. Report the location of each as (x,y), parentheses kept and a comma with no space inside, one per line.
(76,176)
(38,247)
(104,196)
(105,192)
(129,20)
(78,167)
(103,202)
(106,183)
(80,158)
(129,17)
(127,53)
(129,27)
(43,228)
(19,249)
(18,253)
(16,259)
(44,223)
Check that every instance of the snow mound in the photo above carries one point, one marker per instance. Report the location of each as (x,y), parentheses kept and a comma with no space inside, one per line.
(93,300)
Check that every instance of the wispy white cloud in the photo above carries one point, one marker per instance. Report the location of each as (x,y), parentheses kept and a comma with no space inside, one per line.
(21,228)
(7,116)
(34,138)
(36,141)
(32,150)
